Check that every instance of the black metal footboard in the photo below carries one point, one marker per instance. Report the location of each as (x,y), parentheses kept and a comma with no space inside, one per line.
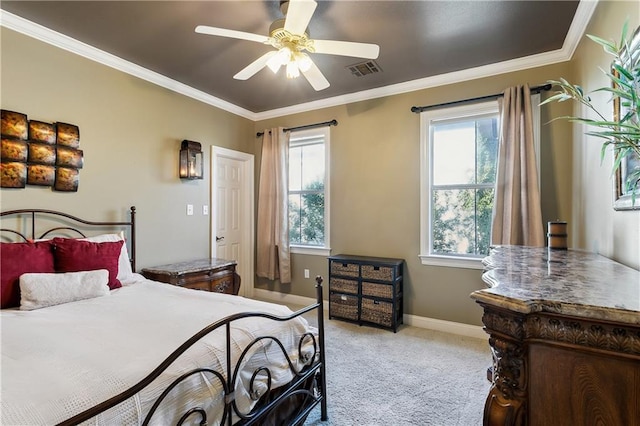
(285,405)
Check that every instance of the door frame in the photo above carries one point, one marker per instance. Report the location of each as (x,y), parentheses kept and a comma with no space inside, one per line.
(247,218)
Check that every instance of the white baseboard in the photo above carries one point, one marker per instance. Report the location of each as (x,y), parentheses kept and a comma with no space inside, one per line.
(460,329)
(446,326)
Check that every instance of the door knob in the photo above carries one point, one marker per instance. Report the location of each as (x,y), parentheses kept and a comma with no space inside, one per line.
(219,239)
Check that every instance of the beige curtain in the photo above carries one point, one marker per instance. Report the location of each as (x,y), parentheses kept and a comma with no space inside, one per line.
(517,218)
(273,261)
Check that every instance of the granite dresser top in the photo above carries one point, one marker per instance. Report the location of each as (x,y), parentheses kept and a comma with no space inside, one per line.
(570,282)
(190,266)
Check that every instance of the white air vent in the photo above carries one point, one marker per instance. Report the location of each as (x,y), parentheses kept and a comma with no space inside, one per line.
(364,68)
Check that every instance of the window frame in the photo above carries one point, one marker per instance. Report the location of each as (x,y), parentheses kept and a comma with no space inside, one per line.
(471,111)
(323,132)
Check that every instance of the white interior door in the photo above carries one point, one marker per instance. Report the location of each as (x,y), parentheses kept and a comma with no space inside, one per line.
(232,212)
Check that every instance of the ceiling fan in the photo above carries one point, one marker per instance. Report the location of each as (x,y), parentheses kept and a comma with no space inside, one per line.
(291,40)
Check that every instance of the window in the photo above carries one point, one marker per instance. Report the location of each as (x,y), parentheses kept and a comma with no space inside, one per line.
(458,170)
(458,162)
(309,191)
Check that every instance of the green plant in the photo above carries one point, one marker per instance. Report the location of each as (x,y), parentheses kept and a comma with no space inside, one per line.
(622,132)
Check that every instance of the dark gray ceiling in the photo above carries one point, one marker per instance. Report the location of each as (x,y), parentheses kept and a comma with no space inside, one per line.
(417,39)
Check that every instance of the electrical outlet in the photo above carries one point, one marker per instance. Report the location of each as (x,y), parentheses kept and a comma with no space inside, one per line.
(306,273)
(205,210)
(189,209)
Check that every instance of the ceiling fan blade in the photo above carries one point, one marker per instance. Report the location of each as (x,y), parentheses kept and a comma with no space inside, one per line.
(255,66)
(203,29)
(315,77)
(347,48)
(299,14)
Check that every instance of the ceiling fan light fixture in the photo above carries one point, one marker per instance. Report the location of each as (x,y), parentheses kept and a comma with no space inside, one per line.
(284,55)
(292,70)
(304,61)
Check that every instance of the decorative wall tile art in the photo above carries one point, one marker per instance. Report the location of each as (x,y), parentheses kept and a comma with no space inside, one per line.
(42,132)
(13,175)
(39,153)
(68,135)
(14,150)
(14,124)
(66,179)
(40,174)
(69,157)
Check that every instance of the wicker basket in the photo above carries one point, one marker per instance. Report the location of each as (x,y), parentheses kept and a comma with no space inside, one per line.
(346,269)
(377,312)
(344,306)
(343,286)
(382,273)
(384,291)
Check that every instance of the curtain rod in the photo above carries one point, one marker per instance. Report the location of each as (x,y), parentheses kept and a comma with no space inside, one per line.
(536,89)
(333,122)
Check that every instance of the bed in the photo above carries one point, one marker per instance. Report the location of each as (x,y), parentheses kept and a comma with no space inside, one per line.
(93,342)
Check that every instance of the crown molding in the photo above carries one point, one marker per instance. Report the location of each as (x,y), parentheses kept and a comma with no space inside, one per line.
(574,35)
(576,31)
(39,32)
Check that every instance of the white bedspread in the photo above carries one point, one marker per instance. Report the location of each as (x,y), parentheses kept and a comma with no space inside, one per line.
(61,360)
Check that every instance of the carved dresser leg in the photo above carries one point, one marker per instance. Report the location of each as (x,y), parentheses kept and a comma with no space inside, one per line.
(506,403)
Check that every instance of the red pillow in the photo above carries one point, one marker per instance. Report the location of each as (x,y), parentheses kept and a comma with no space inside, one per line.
(75,256)
(17,259)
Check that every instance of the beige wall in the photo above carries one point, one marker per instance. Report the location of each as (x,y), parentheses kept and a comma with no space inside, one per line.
(130,132)
(375,199)
(597,227)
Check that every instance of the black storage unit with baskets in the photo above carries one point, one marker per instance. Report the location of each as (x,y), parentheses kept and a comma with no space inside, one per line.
(366,290)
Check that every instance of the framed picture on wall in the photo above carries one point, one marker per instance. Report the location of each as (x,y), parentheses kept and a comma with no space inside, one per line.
(629,171)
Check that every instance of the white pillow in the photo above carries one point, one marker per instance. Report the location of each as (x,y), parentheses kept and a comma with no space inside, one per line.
(124,264)
(43,289)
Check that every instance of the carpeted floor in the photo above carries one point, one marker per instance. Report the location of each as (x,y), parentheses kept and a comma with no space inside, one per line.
(413,377)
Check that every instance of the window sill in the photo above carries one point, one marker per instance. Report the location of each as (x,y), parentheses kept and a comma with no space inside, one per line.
(313,251)
(451,261)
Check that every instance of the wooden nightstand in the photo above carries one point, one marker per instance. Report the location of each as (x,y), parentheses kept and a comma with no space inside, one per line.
(217,275)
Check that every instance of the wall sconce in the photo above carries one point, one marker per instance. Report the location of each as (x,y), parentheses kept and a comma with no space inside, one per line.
(191,163)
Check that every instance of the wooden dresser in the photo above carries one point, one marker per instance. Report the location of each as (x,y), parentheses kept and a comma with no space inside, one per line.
(564,329)
(367,290)
(217,275)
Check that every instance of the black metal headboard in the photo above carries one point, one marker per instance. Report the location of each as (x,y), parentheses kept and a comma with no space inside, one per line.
(70,223)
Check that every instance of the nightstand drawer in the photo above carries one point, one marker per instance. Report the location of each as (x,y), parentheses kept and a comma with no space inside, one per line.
(195,279)
(202,285)
(217,275)
(223,284)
